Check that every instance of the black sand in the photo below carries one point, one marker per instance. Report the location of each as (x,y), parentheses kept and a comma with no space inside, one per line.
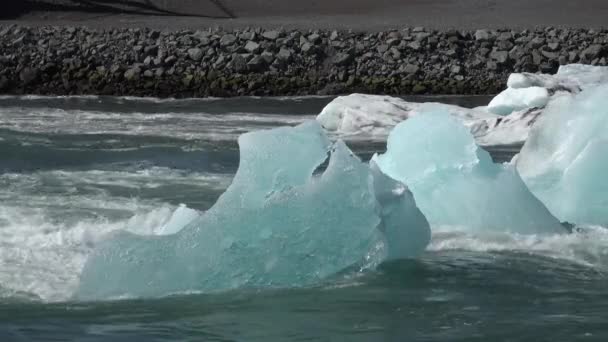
(358,15)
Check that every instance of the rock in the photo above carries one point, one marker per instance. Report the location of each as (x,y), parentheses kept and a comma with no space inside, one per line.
(382,48)
(151,50)
(537,58)
(148,74)
(395,53)
(252,46)
(195,54)
(451,53)
(170,60)
(154,34)
(247,35)
(504,36)
(552,47)
(132,73)
(421,36)
(342,59)
(315,38)
(284,55)
(537,42)
(482,35)
(411,69)
(268,57)
(550,55)
(3,83)
(504,45)
(414,46)
(592,52)
(516,53)
(238,63)
(334,35)
(455,69)
(271,35)
(306,47)
(227,40)
(257,63)
(28,75)
(500,57)
(418,88)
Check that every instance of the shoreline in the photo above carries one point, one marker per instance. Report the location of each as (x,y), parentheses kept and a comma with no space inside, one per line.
(70,60)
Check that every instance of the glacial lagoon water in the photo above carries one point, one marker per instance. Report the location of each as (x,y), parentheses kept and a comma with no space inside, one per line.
(73,170)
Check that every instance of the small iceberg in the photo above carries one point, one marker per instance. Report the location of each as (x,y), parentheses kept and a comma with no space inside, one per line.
(565,159)
(505,121)
(456,184)
(279,224)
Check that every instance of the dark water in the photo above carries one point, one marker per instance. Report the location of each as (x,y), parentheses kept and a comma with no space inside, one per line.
(75,169)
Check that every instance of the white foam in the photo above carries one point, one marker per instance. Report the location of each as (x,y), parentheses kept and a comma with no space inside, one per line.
(51,220)
(587,246)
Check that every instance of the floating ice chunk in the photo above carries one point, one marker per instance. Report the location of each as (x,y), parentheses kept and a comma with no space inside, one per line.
(512,129)
(570,78)
(514,99)
(180,218)
(582,75)
(565,160)
(357,113)
(525,90)
(455,183)
(373,116)
(276,225)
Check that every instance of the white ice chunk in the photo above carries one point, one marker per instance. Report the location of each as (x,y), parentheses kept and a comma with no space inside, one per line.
(514,99)
(180,218)
(565,160)
(456,184)
(373,116)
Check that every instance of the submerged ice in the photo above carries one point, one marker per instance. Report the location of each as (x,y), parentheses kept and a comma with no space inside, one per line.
(279,224)
(456,183)
(565,160)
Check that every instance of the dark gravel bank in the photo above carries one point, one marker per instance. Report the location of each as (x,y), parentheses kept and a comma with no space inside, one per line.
(144,62)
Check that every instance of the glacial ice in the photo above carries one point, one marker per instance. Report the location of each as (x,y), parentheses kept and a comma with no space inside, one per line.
(455,183)
(376,115)
(373,116)
(505,121)
(565,159)
(180,218)
(527,90)
(277,225)
(514,99)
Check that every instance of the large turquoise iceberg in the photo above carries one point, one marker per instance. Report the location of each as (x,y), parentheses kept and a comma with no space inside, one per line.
(280,224)
(565,160)
(456,184)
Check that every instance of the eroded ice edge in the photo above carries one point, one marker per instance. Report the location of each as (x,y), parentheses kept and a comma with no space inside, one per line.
(284,223)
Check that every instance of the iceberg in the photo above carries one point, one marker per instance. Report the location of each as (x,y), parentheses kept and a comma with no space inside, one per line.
(505,121)
(514,99)
(374,116)
(527,90)
(456,184)
(564,161)
(281,223)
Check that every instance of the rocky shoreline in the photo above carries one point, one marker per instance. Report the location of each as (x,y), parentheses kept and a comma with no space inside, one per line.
(257,62)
